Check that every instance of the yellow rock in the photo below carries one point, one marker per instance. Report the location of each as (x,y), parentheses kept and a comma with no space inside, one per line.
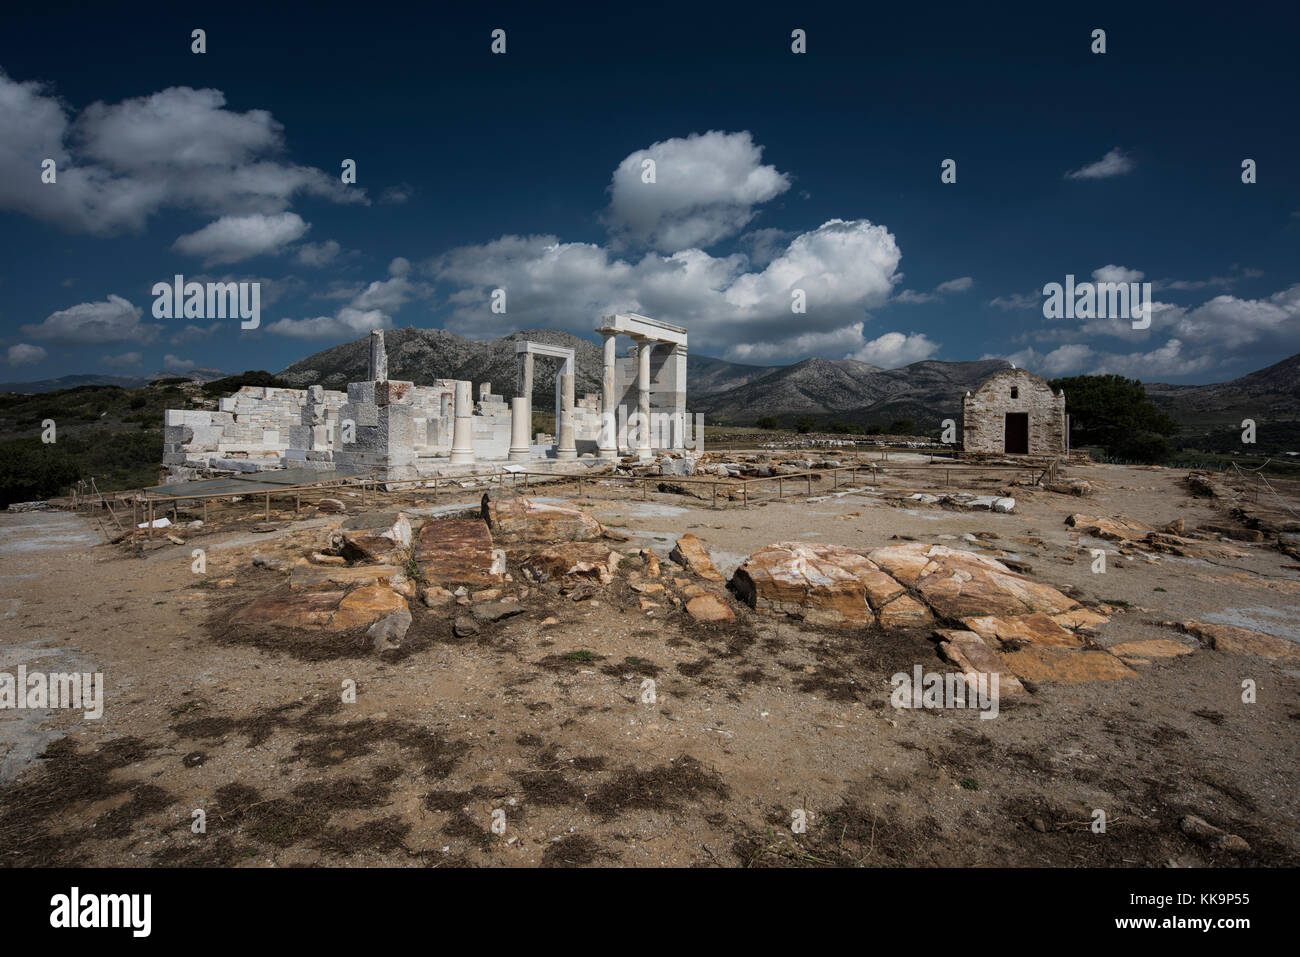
(1036,629)
(1063,666)
(709,608)
(364,606)
(1243,641)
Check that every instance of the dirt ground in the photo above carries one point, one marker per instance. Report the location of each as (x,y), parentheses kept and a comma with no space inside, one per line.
(546,726)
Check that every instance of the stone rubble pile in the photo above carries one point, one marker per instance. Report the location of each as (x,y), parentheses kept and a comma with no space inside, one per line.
(985,615)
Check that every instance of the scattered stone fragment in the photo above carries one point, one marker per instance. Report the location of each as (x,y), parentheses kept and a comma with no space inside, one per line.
(709,608)
(651,563)
(385,546)
(1206,833)
(496,610)
(435,596)
(691,555)
(331,505)
(464,626)
(1069,487)
(387,633)
(572,560)
(320,559)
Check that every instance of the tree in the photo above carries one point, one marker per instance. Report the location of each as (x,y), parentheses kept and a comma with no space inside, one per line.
(902,427)
(1114,413)
(767,422)
(31,470)
(803,425)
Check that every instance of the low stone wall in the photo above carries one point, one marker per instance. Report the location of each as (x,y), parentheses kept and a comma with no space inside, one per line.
(250,431)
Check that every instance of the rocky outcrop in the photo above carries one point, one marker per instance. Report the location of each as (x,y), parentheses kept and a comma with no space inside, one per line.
(959,584)
(1066,665)
(1138,536)
(1015,627)
(1242,641)
(516,520)
(969,652)
(1035,629)
(816,582)
(1117,528)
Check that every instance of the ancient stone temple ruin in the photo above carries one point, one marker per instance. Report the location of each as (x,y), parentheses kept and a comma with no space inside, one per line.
(403,431)
(1014,413)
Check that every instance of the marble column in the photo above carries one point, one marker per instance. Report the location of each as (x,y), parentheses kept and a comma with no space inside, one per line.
(462,437)
(608,444)
(378,366)
(520,427)
(643,448)
(565,446)
(524,379)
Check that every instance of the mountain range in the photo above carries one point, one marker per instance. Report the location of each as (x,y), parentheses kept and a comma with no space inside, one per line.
(730,391)
(1271,394)
(824,389)
(38,386)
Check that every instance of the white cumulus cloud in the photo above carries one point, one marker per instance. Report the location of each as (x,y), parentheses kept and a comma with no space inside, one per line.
(114,320)
(119,164)
(705,188)
(232,239)
(127,360)
(23,354)
(893,350)
(842,268)
(1114,163)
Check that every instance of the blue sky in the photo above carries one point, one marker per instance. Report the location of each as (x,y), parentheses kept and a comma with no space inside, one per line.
(774,171)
